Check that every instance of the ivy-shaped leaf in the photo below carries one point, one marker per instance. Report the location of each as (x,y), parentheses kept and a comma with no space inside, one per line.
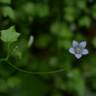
(9,35)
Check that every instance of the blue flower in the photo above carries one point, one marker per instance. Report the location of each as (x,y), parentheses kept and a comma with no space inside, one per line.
(78,49)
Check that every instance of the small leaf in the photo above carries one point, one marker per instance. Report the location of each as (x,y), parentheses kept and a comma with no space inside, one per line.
(42,10)
(5,1)
(94,11)
(94,42)
(13,82)
(82,4)
(8,12)
(85,21)
(70,13)
(61,30)
(9,35)
(29,8)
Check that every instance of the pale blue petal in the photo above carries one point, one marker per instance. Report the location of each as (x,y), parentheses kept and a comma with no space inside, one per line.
(71,50)
(78,56)
(75,43)
(83,44)
(85,52)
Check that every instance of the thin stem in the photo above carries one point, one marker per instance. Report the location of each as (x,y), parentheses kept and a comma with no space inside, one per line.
(30,72)
(3,59)
(8,54)
(25,71)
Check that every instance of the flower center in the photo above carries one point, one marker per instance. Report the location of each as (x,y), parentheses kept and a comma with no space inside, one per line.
(78,50)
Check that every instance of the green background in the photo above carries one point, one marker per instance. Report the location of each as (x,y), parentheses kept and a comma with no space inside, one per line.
(54,24)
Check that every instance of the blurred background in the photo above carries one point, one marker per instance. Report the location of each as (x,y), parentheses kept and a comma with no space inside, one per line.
(54,24)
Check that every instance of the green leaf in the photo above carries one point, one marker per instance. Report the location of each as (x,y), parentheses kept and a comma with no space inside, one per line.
(42,10)
(6,1)
(79,83)
(94,11)
(29,8)
(13,81)
(8,12)
(85,21)
(71,13)
(33,87)
(9,35)
(61,30)
(3,85)
(94,42)
(82,4)
(64,43)
(76,82)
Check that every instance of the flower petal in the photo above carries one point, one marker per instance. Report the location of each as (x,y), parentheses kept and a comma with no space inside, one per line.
(78,56)
(71,50)
(85,52)
(83,44)
(75,43)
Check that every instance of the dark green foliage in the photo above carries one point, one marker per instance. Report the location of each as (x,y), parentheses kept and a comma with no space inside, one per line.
(54,24)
